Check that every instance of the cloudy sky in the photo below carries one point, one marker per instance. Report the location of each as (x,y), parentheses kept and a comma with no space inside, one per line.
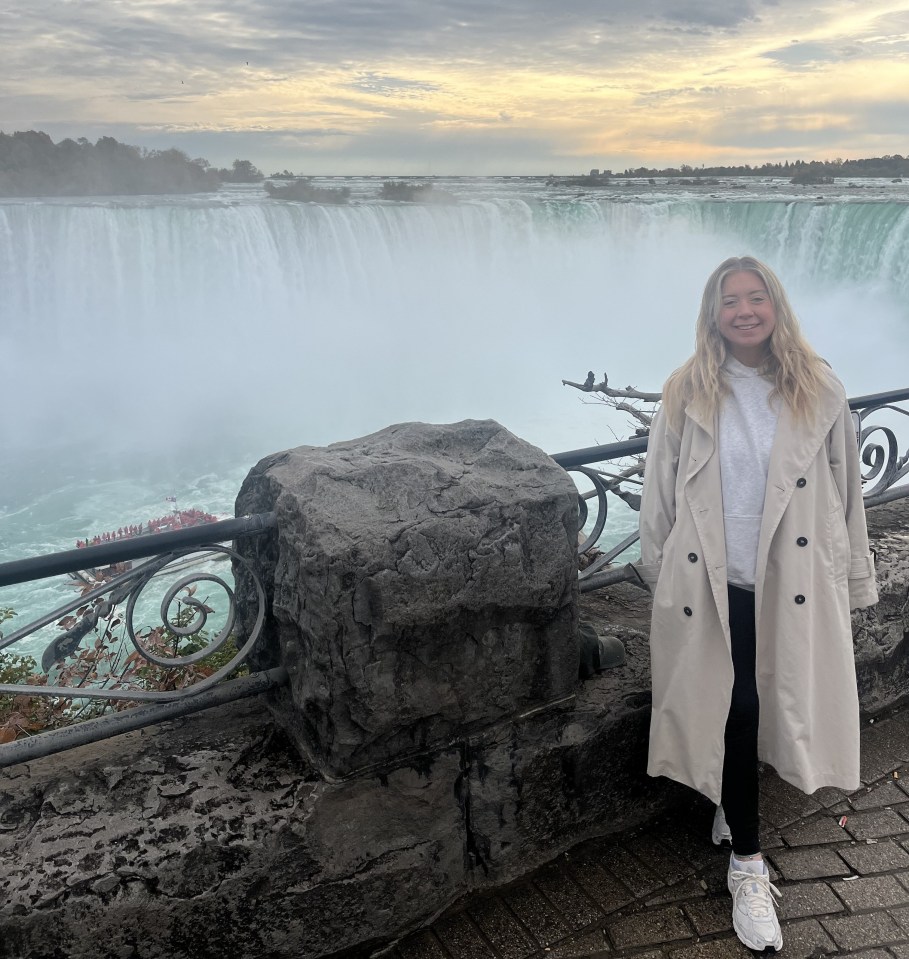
(464,86)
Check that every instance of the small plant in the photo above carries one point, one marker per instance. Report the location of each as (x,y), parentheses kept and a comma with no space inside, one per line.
(109,661)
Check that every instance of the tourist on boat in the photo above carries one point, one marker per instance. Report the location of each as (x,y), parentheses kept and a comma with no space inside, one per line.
(753,541)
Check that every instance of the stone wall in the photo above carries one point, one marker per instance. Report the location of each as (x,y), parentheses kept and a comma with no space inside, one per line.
(256,827)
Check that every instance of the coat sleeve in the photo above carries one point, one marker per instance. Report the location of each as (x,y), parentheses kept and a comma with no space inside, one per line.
(658,499)
(844,464)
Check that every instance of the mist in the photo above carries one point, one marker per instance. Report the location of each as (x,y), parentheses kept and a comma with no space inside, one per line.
(156,347)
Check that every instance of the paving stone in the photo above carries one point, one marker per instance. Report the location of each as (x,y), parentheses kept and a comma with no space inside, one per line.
(635,875)
(891,736)
(692,844)
(867,858)
(871,929)
(568,898)
(877,756)
(462,938)
(807,899)
(812,862)
(792,803)
(693,888)
(501,928)
(421,945)
(828,796)
(715,877)
(710,915)
(669,866)
(879,892)
(876,824)
(531,907)
(770,838)
(902,917)
(805,938)
(779,815)
(901,720)
(650,928)
(602,887)
(871,954)
(585,945)
(886,793)
(900,952)
(729,948)
(814,832)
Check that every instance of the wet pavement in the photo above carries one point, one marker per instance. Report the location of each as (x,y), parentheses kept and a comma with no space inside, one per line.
(841,862)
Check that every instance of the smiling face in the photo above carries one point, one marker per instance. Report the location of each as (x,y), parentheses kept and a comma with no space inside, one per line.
(747,317)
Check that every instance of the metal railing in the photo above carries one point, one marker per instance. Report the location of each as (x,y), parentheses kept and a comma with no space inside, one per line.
(104,591)
(168,552)
(883,467)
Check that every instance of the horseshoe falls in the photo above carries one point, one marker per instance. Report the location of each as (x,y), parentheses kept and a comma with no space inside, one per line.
(159,346)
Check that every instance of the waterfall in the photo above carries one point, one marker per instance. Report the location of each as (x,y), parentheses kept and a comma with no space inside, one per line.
(307,323)
(152,346)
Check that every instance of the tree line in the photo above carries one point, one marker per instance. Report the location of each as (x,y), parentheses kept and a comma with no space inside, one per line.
(31,164)
(886,166)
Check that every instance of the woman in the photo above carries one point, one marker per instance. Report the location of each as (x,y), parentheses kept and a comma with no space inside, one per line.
(753,541)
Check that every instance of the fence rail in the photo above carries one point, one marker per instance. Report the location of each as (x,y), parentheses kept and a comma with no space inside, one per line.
(884,469)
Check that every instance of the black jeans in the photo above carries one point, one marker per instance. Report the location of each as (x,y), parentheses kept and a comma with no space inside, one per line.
(740,767)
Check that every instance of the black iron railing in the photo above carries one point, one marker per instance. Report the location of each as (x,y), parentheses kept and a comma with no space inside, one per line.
(108,596)
(111,593)
(883,468)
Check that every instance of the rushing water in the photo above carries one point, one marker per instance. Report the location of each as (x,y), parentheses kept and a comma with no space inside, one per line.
(160,346)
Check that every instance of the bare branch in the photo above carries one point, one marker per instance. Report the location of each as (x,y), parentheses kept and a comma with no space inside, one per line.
(630,392)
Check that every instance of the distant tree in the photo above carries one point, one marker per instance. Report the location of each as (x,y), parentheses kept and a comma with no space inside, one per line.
(32,165)
(242,171)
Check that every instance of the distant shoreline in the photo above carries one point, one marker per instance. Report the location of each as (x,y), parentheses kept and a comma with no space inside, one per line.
(32,165)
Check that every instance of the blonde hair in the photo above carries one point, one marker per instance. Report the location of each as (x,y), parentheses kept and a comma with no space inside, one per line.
(797,370)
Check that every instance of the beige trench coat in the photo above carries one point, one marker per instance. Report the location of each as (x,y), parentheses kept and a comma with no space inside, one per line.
(813,565)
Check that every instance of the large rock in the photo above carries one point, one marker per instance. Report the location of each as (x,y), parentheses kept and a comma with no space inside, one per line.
(421,581)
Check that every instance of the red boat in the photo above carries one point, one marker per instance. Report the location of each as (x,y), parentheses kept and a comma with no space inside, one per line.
(177,519)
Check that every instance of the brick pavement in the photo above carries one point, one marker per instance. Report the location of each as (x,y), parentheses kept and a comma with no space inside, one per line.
(660,890)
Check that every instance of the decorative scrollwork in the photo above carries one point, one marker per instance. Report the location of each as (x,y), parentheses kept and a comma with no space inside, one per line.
(129,586)
(879,452)
(602,507)
(602,483)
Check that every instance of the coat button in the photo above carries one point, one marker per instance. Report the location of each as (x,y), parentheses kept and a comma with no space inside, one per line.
(801,482)
(801,541)
(692,557)
(687,610)
(800,599)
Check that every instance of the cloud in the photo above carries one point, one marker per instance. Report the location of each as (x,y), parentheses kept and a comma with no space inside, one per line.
(582,82)
(811,54)
(383,85)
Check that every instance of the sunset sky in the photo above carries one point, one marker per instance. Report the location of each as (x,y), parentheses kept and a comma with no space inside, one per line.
(463,86)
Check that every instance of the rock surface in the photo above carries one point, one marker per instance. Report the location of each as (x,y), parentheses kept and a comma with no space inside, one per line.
(422,580)
(171,842)
(208,836)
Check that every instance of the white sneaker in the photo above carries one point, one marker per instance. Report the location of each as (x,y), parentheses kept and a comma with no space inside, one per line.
(721,832)
(753,910)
